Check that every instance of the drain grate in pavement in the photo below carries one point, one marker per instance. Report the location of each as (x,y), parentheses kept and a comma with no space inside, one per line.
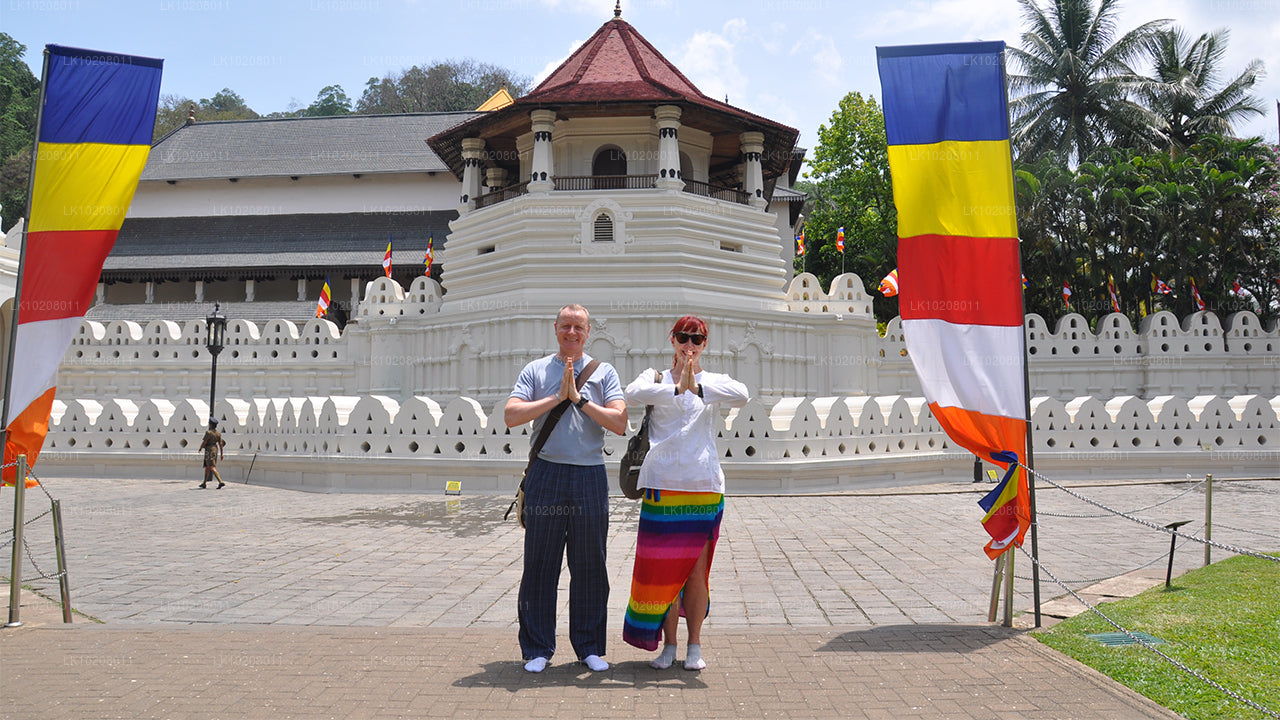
(1116,639)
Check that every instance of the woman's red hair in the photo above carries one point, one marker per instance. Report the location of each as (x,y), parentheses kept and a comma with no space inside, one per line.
(690,324)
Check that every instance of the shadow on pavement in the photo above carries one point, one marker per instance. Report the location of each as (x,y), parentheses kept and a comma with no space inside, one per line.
(920,638)
(635,674)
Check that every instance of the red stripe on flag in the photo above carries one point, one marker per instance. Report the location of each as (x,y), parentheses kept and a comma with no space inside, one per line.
(61,271)
(964,280)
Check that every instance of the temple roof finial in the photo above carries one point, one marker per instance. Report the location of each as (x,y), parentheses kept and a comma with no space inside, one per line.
(617,9)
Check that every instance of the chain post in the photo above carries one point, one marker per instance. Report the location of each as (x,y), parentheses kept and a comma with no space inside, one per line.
(1208,518)
(15,575)
(64,583)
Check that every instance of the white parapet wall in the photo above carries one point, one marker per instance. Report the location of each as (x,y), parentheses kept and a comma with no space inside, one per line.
(374,443)
(411,394)
(824,343)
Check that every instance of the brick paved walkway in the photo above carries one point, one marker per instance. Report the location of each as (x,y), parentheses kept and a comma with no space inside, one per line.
(256,602)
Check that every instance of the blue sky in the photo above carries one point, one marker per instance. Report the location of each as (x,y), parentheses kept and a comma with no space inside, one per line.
(789,60)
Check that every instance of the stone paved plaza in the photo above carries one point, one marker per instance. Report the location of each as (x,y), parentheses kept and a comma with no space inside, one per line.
(259,602)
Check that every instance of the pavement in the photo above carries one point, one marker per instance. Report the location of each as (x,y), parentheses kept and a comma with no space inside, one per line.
(257,602)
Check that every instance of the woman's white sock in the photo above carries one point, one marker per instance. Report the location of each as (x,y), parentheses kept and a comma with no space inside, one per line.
(693,658)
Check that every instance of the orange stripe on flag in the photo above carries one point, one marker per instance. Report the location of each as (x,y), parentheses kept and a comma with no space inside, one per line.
(25,435)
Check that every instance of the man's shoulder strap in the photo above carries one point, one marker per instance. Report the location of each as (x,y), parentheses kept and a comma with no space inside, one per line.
(586,373)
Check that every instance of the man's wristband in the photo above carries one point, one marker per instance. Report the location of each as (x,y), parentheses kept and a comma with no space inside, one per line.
(582,401)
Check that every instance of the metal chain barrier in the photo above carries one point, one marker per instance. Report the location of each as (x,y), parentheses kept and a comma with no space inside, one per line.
(1159,558)
(1154,526)
(1172,661)
(1189,490)
(44,575)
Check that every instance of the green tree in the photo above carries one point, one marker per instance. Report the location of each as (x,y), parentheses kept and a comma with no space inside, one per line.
(331,100)
(1075,93)
(1186,94)
(19,94)
(226,105)
(174,110)
(446,86)
(1212,213)
(851,188)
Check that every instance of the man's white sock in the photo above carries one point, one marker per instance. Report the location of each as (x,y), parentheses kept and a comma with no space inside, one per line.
(664,660)
(536,665)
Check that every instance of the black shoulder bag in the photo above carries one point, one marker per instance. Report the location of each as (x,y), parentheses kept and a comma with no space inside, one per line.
(543,434)
(633,458)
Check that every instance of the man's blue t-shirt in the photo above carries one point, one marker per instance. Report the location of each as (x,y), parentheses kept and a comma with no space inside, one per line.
(576,438)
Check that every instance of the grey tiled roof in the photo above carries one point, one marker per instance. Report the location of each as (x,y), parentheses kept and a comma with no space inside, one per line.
(283,147)
(788,195)
(276,241)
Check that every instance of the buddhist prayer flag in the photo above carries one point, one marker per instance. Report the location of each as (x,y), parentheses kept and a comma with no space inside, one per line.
(386,259)
(1159,287)
(961,302)
(800,242)
(1236,289)
(322,307)
(889,285)
(1195,293)
(840,240)
(1066,294)
(93,139)
(1111,291)
(427,259)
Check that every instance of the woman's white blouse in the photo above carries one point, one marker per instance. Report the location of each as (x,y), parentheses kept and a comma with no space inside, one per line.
(682,435)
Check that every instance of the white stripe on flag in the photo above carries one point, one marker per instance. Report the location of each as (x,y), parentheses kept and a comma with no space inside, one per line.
(973,367)
(35,366)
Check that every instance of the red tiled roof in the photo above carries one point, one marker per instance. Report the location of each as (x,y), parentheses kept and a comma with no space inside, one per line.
(616,63)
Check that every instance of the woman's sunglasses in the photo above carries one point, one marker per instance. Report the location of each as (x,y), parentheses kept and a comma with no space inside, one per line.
(694,338)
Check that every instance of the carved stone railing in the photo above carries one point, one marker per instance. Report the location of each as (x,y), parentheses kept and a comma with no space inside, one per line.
(501,194)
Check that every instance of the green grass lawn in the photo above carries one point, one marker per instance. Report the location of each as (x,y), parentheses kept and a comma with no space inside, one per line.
(1222,621)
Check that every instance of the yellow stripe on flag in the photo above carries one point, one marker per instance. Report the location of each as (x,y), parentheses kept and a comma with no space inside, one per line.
(84,186)
(954,188)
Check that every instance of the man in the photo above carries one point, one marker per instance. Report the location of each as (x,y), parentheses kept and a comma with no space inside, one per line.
(212,445)
(566,494)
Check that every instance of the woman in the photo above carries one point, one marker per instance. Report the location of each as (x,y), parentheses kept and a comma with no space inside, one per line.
(683,499)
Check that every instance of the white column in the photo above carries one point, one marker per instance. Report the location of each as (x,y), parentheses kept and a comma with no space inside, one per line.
(472,160)
(541,179)
(355,296)
(101,296)
(302,289)
(151,291)
(248,290)
(669,175)
(199,291)
(495,177)
(752,144)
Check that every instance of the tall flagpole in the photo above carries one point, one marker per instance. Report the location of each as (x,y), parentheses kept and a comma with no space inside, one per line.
(1026,372)
(22,258)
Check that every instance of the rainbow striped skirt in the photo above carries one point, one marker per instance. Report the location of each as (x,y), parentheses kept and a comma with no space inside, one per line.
(674,527)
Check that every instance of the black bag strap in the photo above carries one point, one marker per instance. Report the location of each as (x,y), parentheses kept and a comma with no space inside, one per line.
(648,409)
(557,411)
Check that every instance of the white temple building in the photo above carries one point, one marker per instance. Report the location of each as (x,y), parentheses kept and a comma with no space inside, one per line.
(615,184)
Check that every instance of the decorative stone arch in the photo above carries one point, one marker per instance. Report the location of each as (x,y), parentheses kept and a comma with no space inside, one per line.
(588,220)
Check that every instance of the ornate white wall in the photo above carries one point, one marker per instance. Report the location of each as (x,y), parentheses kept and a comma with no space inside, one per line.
(836,404)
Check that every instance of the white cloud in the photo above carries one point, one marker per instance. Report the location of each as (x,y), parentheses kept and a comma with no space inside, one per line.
(708,60)
(822,55)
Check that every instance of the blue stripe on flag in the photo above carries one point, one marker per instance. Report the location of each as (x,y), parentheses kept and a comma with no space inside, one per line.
(97,97)
(934,93)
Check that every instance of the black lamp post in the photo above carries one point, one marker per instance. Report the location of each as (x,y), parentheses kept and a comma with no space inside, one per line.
(215,330)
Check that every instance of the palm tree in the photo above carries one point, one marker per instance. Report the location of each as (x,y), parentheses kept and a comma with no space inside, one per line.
(1076,93)
(1186,95)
